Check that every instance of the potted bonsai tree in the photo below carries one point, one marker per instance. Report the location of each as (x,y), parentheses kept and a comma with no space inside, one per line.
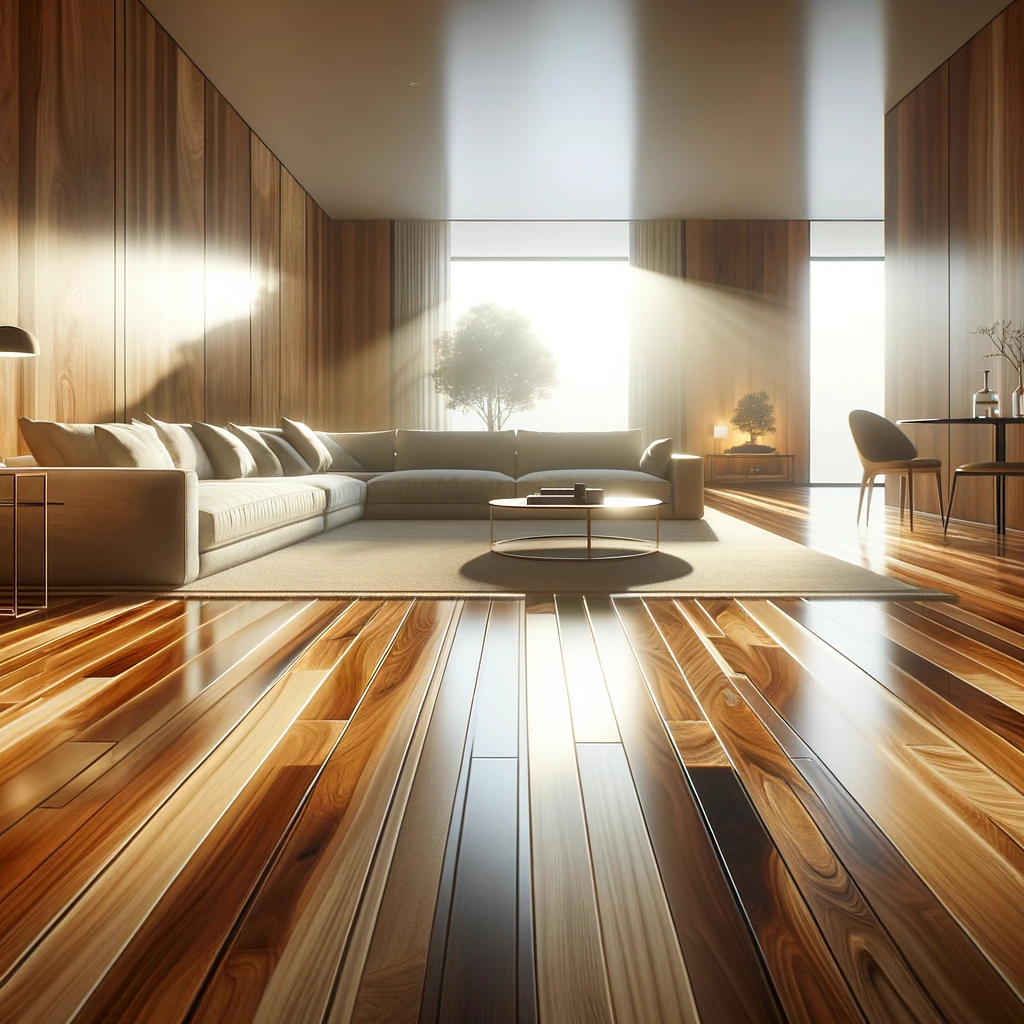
(755,414)
(493,364)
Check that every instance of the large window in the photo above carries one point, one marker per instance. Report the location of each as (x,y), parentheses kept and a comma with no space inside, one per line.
(572,281)
(847,341)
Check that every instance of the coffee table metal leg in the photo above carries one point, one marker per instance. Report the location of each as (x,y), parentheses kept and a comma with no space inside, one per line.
(589,549)
(657,527)
(490,516)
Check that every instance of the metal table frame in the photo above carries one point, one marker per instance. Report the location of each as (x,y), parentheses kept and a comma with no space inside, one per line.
(15,503)
(499,547)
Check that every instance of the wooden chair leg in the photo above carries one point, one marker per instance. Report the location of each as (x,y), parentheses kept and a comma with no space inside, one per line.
(949,507)
(910,496)
(867,511)
(903,495)
(938,487)
(860,500)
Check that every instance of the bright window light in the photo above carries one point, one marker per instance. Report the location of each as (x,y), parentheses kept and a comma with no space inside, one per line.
(847,360)
(580,311)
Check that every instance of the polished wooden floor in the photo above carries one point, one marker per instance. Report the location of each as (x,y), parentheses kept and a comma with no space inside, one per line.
(549,809)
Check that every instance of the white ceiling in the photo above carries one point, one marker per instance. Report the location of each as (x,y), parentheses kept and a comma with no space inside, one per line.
(575,109)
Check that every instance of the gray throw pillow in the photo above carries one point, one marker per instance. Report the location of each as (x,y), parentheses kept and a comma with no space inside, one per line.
(341,461)
(267,463)
(231,459)
(657,460)
(185,450)
(307,444)
(292,463)
(134,445)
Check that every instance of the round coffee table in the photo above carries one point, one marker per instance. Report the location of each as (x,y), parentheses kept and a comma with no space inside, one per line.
(613,505)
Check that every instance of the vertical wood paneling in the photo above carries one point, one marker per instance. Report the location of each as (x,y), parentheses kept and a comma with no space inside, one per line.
(317,396)
(164,224)
(66,202)
(293,297)
(362,285)
(228,349)
(917,267)
(11,370)
(265,260)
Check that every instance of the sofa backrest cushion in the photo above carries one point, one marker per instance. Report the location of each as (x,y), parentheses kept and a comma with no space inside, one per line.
(292,463)
(540,450)
(494,451)
(657,458)
(61,444)
(307,444)
(341,461)
(184,447)
(374,450)
(230,457)
(132,445)
(267,463)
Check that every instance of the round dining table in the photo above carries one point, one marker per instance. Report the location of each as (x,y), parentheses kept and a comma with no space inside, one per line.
(1000,423)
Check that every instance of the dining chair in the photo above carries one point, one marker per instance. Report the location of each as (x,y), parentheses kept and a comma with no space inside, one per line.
(885,450)
(1000,470)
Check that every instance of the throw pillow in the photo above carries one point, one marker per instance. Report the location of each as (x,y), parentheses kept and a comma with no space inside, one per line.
(134,445)
(184,448)
(657,460)
(267,463)
(341,461)
(231,459)
(292,463)
(307,444)
(61,444)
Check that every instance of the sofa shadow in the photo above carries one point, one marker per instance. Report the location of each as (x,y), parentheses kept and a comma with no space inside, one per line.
(577,575)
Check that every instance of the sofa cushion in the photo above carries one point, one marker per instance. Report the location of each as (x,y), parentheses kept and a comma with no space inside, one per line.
(341,461)
(657,459)
(61,444)
(341,491)
(374,450)
(307,444)
(267,463)
(494,451)
(617,483)
(292,463)
(446,486)
(132,445)
(230,457)
(539,450)
(185,450)
(231,510)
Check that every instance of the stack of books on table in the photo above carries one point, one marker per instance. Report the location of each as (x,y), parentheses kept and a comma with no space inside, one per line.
(579,494)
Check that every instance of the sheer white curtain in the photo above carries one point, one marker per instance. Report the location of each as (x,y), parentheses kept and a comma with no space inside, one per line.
(420,300)
(657,403)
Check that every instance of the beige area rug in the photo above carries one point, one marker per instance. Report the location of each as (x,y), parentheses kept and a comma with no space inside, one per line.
(719,556)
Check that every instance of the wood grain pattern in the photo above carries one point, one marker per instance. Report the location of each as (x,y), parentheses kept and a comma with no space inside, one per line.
(265,270)
(11,371)
(592,718)
(293,297)
(165,206)
(228,299)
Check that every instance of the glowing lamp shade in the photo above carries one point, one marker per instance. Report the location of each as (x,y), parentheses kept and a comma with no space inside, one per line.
(16,342)
(721,433)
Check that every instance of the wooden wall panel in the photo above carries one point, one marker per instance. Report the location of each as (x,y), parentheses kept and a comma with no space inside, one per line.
(362,285)
(11,370)
(66,203)
(917,203)
(746,326)
(316,242)
(164,224)
(228,287)
(266,284)
(293,297)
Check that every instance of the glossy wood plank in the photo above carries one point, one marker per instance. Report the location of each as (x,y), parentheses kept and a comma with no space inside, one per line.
(228,223)
(645,965)
(265,264)
(697,745)
(165,209)
(572,983)
(496,706)
(318,895)
(592,718)
(54,980)
(386,983)
(725,970)
(480,962)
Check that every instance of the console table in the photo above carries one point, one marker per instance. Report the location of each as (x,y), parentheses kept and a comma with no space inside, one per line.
(13,497)
(751,469)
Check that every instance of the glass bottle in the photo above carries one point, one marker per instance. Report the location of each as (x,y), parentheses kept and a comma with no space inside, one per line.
(986,401)
(1017,398)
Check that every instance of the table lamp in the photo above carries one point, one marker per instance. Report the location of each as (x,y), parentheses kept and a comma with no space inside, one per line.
(14,341)
(721,432)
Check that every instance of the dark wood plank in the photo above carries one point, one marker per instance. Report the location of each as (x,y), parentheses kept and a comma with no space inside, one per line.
(496,706)
(228,198)
(726,973)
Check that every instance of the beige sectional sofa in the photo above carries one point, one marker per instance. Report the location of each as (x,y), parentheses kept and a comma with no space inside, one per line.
(161,528)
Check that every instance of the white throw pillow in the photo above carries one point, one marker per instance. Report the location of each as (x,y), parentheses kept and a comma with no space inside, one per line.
(307,444)
(231,459)
(657,460)
(292,463)
(132,445)
(185,450)
(61,444)
(341,461)
(267,463)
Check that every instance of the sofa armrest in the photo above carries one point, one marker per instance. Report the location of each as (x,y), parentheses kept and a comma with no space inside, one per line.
(687,476)
(120,527)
